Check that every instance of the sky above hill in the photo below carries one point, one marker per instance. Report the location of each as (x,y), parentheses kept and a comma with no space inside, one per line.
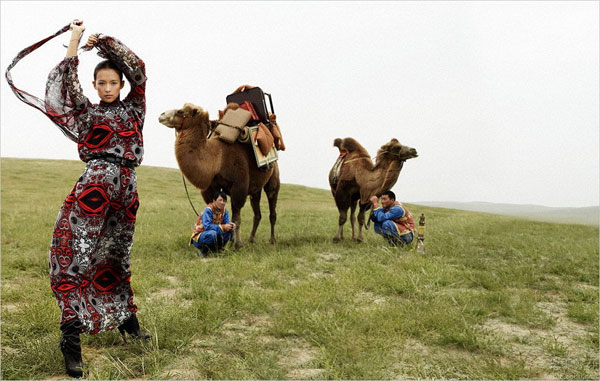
(500,99)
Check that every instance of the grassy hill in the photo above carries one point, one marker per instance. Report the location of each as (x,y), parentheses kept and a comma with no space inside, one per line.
(493,297)
(589,215)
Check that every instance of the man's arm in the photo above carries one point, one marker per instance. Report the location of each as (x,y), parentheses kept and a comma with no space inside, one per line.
(395,212)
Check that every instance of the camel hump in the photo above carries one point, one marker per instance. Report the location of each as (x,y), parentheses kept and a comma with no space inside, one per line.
(351,145)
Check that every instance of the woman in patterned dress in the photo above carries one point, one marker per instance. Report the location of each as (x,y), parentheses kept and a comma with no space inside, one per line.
(93,234)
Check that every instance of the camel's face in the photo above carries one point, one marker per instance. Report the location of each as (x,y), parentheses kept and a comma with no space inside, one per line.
(398,150)
(174,118)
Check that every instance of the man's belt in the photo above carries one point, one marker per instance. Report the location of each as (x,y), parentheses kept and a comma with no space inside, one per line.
(115,159)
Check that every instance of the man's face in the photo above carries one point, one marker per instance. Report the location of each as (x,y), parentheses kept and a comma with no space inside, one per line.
(386,201)
(220,203)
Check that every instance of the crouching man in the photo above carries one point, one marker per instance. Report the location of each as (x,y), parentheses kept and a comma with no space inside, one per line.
(392,220)
(213,229)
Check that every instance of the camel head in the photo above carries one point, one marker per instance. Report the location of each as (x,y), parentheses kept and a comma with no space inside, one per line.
(394,150)
(176,118)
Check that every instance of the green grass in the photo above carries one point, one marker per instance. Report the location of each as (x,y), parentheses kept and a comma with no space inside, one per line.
(493,297)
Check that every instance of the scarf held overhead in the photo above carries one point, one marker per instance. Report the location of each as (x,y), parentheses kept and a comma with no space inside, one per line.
(61,118)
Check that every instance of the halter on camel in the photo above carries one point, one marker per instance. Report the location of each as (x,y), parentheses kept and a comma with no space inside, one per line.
(177,136)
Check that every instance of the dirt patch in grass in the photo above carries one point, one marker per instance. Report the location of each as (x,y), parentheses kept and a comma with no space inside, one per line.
(305,374)
(368,300)
(10,307)
(9,350)
(329,257)
(182,369)
(166,293)
(246,326)
(253,284)
(506,329)
(540,348)
(565,329)
(586,286)
(172,279)
(171,295)
(321,274)
(295,359)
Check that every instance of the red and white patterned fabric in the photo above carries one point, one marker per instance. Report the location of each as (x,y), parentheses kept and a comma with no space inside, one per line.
(90,249)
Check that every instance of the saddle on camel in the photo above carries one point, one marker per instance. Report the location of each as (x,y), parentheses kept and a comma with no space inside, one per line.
(247,120)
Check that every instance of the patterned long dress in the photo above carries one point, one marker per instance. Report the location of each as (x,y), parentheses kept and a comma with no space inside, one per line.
(90,247)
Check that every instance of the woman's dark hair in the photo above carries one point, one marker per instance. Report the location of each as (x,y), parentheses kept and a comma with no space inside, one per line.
(220,193)
(390,194)
(107,64)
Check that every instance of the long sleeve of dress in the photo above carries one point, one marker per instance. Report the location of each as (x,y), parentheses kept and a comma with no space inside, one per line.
(132,67)
(64,102)
(395,212)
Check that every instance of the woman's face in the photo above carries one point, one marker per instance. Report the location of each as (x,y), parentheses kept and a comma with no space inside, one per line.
(108,84)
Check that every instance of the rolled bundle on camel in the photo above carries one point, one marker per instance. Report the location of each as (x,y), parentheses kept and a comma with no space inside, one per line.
(211,164)
(355,178)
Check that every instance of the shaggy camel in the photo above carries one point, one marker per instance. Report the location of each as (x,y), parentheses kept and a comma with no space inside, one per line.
(359,178)
(210,165)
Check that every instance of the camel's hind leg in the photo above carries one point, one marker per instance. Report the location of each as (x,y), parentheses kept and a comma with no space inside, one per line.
(255,202)
(272,192)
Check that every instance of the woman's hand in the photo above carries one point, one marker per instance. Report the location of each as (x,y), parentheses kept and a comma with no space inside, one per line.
(93,39)
(77,27)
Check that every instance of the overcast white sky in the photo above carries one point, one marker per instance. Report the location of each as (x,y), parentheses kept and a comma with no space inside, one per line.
(500,99)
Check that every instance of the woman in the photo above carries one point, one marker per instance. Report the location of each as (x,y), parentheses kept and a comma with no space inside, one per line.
(93,234)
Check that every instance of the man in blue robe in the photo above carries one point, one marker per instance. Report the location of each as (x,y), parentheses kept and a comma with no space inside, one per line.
(213,229)
(392,220)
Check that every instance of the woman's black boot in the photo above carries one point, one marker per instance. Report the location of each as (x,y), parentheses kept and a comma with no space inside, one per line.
(70,346)
(132,327)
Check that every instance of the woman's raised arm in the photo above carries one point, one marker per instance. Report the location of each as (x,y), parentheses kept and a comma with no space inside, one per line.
(130,64)
(77,29)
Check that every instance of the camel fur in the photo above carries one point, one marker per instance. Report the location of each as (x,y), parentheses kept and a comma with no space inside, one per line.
(359,179)
(210,165)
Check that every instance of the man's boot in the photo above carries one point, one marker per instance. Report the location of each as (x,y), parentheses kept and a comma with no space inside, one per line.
(70,346)
(132,327)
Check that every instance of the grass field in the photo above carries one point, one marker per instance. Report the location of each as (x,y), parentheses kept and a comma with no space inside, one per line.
(493,297)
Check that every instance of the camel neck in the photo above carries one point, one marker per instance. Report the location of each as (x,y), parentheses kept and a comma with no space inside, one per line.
(196,158)
(388,171)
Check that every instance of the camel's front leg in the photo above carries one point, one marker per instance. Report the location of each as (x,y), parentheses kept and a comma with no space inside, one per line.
(361,221)
(237,219)
(342,220)
(353,218)
(255,202)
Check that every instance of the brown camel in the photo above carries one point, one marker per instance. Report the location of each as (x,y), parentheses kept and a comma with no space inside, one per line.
(359,178)
(211,164)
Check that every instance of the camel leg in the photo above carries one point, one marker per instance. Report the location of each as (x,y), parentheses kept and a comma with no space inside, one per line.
(353,218)
(361,221)
(342,220)
(272,192)
(255,202)
(238,199)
